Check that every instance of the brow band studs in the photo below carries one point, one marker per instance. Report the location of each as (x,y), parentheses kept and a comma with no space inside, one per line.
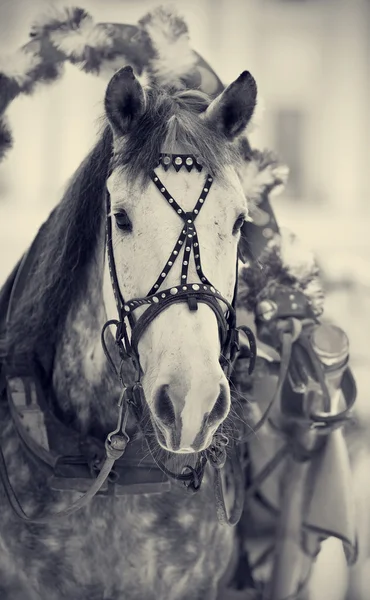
(178,161)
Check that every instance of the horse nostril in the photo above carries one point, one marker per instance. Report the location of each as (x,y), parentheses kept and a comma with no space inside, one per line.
(163,407)
(220,408)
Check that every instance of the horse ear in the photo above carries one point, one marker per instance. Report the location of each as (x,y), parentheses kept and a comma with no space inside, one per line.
(231,111)
(124,100)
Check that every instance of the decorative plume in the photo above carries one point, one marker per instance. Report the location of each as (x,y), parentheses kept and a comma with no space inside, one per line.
(285,262)
(263,172)
(173,56)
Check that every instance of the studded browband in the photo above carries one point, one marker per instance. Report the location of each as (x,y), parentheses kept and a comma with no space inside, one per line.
(177,161)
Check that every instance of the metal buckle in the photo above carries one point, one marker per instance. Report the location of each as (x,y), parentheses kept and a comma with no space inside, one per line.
(117,440)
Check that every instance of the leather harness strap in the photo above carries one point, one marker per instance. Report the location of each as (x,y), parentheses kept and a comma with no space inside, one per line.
(20,374)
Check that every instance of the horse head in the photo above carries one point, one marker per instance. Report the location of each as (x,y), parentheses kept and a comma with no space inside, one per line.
(173,230)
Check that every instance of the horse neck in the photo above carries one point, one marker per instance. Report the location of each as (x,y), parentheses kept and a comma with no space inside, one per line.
(83,382)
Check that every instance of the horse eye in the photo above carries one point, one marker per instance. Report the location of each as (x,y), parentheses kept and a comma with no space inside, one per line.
(238,224)
(123,221)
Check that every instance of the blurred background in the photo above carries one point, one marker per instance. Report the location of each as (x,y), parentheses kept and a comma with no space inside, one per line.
(311,62)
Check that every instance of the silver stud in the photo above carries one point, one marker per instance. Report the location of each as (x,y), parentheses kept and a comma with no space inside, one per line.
(184,231)
(201,200)
(187,248)
(179,211)
(155,178)
(127,308)
(195,286)
(196,244)
(190,235)
(291,296)
(196,255)
(294,305)
(204,287)
(155,299)
(175,252)
(212,289)
(156,285)
(196,211)
(206,189)
(173,291)
(163,295)
(210,179)
(166,160)
(204,279)
(189,220)
(180,242)
(189,161)
(170,263)
(178,160)
(170,200)
(163,189)
(184,287)
(163,274)
(183,276)
(198,268)
(185,262)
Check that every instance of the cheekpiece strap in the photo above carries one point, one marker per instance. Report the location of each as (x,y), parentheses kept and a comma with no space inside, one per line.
(178,161)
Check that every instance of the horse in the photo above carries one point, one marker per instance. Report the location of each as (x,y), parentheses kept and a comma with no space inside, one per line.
(126,216)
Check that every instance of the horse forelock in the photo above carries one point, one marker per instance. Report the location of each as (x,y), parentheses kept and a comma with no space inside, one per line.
(170,122)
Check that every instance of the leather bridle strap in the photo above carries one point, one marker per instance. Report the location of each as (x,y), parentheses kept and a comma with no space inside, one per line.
(191,294)
(157,299)
(188,236)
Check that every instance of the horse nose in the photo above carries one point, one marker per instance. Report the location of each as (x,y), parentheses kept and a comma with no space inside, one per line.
(164,408)
(220,408)
(183,426)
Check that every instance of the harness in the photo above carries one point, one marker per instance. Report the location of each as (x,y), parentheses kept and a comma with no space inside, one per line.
(284,321)
(118,472)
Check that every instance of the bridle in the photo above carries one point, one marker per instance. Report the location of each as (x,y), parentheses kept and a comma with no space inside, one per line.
(132,396)
(158,299)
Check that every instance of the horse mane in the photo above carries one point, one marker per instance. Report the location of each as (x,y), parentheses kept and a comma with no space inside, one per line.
(69,236)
